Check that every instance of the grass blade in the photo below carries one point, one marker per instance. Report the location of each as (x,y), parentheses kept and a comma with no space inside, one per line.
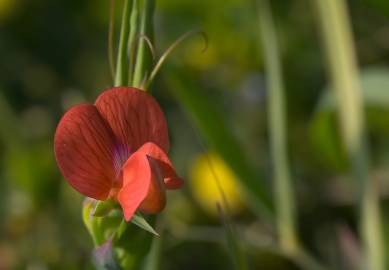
(235,247)
(131,46)
(122,60)
(143,61)
(344,74)
(153,259)
(283,189)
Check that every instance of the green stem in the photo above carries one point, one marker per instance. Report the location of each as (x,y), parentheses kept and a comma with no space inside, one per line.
(146,29)
(111,34)
(283,190)
(122,60)
(153,259)
(131,40)
(343,70)
(234,243)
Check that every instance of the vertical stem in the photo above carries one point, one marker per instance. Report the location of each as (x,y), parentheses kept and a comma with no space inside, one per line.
(153,258)
(343,70)
(111,34)
(234,244)
(131,40)
(122,60)
(283,190)
(146,29)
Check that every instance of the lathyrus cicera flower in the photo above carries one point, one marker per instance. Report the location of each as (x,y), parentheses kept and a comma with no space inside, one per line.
(117,149)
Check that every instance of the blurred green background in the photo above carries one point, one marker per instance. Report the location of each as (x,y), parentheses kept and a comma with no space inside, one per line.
(53,54)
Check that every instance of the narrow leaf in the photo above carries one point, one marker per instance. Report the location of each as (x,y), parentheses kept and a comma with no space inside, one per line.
(283,189)
(240,261)
(344,75)
(142,223)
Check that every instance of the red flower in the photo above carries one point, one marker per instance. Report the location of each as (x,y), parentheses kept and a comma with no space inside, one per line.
(117,149)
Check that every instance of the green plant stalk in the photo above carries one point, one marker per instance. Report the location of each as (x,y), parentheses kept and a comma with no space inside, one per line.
(146,29)
(153,259)
(343,70)
(131,46)
(111,34)
(234,244)
(92,223)
(283,190)
(122,60)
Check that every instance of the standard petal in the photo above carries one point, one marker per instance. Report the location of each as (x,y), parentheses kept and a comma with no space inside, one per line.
(142,187)
(134,116)
(83,147)
(168,174)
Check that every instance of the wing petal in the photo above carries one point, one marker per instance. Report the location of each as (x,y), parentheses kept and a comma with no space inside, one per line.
(168,173)
(142,187)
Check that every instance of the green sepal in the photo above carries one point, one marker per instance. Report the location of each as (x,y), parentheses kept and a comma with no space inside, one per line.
(142,223)
(103,208)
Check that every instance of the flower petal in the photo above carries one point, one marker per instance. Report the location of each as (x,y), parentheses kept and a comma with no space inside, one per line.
(155,200)
(168,174)
(134,116)
(83,146)
(142,187)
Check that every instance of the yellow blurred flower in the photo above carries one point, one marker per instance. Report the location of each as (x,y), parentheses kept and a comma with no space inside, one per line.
(6,8)
(204,170)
